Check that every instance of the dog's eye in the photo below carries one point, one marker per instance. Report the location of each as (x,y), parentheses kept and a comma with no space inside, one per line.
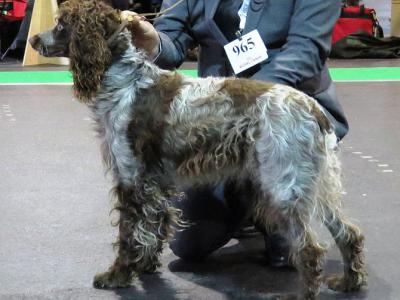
(59,27)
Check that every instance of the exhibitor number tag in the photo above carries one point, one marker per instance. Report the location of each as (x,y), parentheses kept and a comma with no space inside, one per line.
(245,52)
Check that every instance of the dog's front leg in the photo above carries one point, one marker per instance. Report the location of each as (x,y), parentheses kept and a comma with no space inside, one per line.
(146,221)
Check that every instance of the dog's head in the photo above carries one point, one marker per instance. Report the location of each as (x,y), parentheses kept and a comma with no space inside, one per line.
(82,33)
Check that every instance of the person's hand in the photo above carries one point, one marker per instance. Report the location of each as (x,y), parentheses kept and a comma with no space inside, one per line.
(144,35)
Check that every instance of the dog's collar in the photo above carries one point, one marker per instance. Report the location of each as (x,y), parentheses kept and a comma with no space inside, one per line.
(114,36)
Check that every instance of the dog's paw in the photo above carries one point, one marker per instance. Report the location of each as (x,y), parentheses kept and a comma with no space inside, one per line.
(112,279)
(346,284)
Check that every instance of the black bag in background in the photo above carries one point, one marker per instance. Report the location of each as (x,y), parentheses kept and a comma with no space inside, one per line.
(362,45)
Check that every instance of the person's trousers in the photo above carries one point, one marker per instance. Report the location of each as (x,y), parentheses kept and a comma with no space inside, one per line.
(215,214)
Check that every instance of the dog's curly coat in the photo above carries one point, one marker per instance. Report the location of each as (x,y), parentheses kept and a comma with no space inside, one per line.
(161,130)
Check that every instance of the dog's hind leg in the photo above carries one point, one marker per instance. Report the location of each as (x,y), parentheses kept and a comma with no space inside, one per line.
(350,242)
(146,221)
(347,236)
(307,254)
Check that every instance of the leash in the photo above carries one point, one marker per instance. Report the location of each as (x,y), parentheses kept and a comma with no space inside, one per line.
(114,36)
(143,16)
(160,13)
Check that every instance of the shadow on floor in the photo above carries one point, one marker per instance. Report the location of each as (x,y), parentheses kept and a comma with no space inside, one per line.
(148,287)
(236,272)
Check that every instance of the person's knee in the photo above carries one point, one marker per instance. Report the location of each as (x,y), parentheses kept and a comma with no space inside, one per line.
(198,241)
(212,223)
(186,252)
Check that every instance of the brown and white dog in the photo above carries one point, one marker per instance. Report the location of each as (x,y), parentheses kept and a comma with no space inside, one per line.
(161,131)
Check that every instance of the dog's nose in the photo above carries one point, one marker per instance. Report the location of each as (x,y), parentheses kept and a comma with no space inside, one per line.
(35,41)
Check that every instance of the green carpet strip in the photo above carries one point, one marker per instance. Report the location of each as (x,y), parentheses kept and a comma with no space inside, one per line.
(365,74)
(36,77)
(64,77)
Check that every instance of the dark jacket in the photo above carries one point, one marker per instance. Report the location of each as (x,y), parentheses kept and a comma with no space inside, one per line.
(297,34)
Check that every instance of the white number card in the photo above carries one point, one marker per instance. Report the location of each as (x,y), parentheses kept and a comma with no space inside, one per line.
(247,51)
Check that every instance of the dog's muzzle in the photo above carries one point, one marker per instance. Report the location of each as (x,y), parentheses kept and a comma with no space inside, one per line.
(35,42)
(45,44)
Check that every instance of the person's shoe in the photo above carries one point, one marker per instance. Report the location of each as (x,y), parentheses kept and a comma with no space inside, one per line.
(248,231)
(277,251)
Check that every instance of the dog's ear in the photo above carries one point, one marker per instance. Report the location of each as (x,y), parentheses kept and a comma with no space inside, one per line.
(91,23)
(88,50)
(90,57)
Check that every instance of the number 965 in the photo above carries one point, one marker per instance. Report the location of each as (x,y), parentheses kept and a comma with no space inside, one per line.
(244,46)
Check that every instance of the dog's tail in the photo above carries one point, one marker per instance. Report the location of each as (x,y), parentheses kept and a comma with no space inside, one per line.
(329,192)
(324,124)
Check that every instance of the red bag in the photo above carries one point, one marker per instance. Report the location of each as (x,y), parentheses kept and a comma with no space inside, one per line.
(355,19)
(13,10)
